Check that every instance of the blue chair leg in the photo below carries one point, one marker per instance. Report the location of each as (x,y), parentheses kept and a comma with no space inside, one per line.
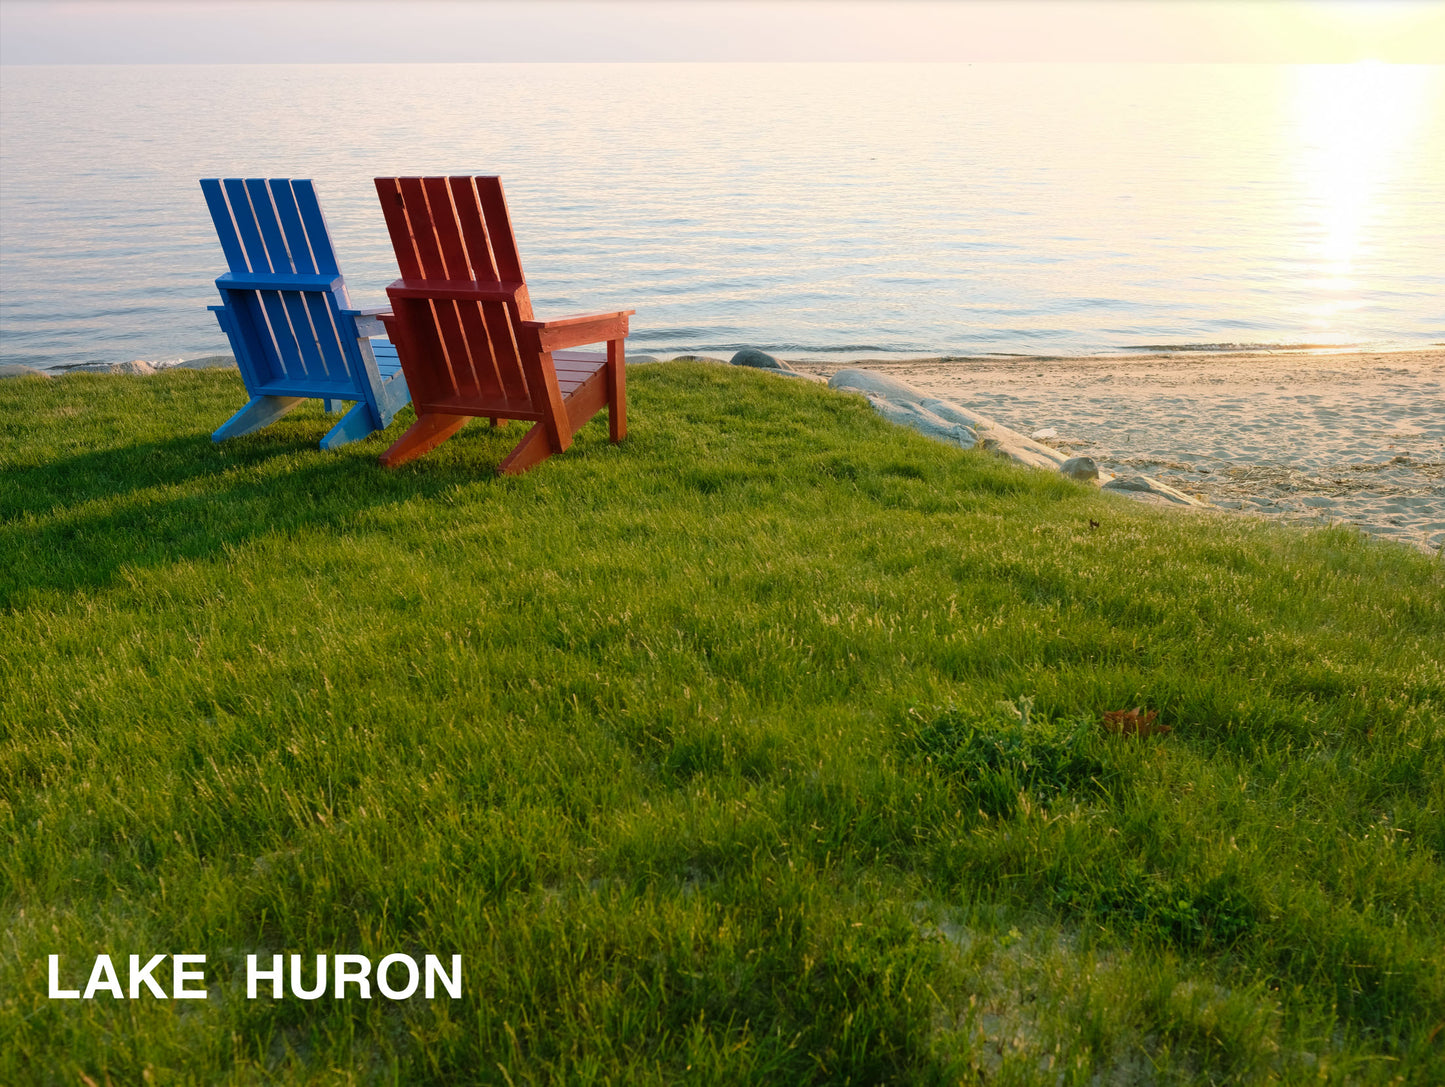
(355,424)
(394,396)
(261,411)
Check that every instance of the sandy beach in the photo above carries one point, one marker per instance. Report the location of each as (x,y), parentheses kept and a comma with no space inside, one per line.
(1353,438)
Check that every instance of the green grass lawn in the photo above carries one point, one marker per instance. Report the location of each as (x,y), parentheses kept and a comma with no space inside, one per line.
(765,747)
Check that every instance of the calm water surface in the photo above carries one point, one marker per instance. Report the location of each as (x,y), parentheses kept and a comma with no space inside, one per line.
(821,210)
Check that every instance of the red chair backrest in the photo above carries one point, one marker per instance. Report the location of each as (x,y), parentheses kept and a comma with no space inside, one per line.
(455,232)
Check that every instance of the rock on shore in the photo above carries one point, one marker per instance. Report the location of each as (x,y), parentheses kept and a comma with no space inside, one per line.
(901,403)
(761,360)
(136,367)
(14,369)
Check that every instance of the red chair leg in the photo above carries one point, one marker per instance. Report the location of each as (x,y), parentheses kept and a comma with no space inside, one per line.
(535,447)
(425,434)
(616,391)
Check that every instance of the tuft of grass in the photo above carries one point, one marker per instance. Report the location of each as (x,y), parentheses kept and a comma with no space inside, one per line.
(765,747)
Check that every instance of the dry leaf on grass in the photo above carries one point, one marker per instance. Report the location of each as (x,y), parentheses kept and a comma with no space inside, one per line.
(1135,722)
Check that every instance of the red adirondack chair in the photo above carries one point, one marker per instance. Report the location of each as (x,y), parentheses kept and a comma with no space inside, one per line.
(462,324)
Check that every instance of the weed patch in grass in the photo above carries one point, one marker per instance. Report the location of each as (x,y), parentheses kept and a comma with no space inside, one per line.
(992,761)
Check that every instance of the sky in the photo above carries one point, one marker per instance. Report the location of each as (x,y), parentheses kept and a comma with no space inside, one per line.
(349,31)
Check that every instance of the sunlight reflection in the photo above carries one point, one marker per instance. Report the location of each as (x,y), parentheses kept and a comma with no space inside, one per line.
(1352,122)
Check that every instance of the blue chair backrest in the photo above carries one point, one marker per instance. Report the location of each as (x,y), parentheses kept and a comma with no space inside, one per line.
(284,293)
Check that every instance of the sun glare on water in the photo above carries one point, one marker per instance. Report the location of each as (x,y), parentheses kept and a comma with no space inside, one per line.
(1355,126)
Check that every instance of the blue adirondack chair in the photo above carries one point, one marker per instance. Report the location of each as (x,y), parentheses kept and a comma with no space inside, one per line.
(287,314)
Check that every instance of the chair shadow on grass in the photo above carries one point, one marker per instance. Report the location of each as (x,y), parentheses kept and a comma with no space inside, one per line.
(71,524)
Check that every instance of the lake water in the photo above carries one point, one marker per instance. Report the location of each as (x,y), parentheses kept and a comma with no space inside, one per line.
(824,211)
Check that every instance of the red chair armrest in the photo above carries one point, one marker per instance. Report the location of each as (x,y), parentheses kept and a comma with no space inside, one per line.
(580,328)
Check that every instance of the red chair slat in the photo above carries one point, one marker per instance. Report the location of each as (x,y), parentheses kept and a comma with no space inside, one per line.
(484,358)
(393,209)
(448,230)
(499,229)
(474,230)
(423,232)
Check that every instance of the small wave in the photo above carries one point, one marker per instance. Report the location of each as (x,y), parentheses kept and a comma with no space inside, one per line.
(1243,347)
(779,348)
(842,348)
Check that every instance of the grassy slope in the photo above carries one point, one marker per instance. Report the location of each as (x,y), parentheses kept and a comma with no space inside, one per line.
(764,747)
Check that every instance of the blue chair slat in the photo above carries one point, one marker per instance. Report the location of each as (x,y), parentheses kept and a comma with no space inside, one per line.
(288,316)
(387,360)
(269,227)
(316,232)
(315,338)
(220,210)
(329,341)
(283,339)
(257,259)
(319,390)
(291,226)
